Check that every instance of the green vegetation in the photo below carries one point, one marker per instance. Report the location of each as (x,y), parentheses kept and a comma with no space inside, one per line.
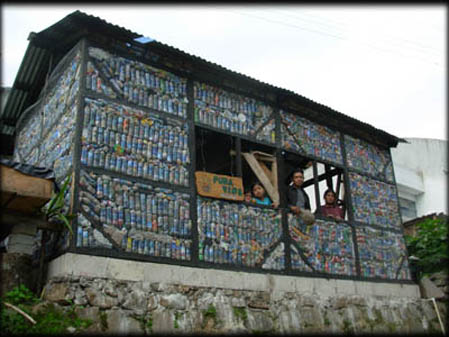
(391,326)
(240,313)
(49,319)
(347,326)
(103,320)
(150,324)
(178,315)
(430,246)
(54,209)
(210,313)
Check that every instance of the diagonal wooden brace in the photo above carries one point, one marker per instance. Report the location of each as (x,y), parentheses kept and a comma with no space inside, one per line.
(267,178)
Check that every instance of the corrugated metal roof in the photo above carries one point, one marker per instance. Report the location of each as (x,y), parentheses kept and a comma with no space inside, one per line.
(63,35)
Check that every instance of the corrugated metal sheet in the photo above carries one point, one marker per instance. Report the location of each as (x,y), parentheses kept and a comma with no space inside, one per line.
(64,34)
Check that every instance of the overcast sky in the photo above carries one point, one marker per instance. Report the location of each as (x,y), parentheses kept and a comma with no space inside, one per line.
(383,65)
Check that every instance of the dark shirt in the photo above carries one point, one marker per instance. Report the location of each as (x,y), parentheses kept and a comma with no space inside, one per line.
(292,196)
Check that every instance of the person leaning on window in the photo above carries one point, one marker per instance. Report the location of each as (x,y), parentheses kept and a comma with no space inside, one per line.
(330,207)
(297,198)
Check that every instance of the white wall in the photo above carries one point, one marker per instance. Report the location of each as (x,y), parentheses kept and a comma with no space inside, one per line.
(421,172)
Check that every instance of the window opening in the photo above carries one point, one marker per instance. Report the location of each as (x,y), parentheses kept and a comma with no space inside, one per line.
(259,165)
(215,151)
(329,178)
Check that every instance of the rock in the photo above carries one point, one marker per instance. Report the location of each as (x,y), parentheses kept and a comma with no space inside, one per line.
(257,304)
(429,289)
(88,313)
(57,292)
(163,322)
(80,298)
(98,299)
(440,278)
(120,322)
(358,301)
(174,301)
(110,290)
(311,319)
(288,321)
(259,321)
(84,282)
(340,302)
(238,302)
(153,302)
(136,301)
(39,307)
(308,301)
(205,300)
(71,329)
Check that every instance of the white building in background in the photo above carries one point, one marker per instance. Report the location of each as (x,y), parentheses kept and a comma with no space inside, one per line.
(421,172)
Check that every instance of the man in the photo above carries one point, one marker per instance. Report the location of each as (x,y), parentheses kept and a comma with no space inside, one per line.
(297,198)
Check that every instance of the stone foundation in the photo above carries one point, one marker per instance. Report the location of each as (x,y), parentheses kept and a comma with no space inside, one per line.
(120,307)
(123,296)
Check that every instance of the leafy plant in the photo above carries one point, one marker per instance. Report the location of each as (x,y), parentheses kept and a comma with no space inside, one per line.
(240,313)
(54,209)
(210,313)
(48,320)
(429,246)
(178,315)
(20,295)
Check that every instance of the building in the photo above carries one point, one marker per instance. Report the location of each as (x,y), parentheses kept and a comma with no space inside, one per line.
(133,122)
(421,171)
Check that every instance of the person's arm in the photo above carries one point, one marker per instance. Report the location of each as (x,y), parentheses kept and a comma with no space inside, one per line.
(291,200)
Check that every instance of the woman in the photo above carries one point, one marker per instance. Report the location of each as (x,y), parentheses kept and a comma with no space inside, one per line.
(330,207)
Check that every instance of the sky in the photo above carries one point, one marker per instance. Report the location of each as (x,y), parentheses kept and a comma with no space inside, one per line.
(383,65)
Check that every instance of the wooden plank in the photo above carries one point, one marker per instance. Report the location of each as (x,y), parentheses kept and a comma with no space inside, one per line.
(273,174)
(13,181)
(22,192)
(264,156)
(267,172)
(274,170)
(219,186)
(260,174)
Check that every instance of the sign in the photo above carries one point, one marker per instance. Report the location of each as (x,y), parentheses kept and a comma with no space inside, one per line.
(219,186)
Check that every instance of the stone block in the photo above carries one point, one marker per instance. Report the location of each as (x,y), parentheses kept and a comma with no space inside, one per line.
(120,322)
(174,301)
(163,322)
(56,292)
(429,289)
(259,321)
(153,301)
(99,299)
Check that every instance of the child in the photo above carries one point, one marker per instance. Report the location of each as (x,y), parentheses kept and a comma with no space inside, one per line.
(248,197)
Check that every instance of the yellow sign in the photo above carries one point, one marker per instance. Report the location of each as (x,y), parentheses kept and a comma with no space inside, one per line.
(219,186)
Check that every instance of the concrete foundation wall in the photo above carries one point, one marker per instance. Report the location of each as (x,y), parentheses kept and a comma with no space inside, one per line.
(126,297)
(117,269)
